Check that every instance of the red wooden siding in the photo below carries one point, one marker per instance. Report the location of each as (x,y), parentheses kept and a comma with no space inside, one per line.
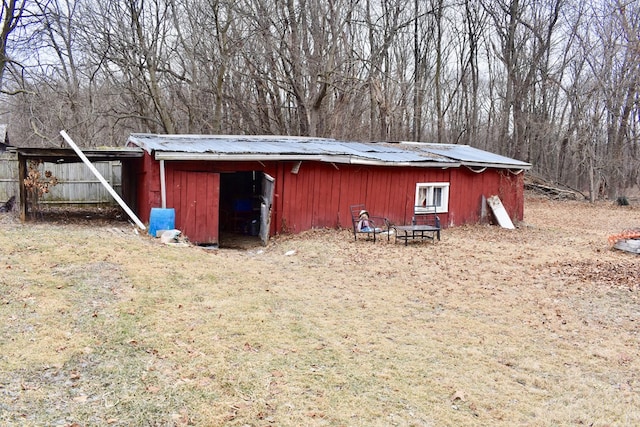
(147,172)
(195,197)
(319,194)
(512,193)
(468,187)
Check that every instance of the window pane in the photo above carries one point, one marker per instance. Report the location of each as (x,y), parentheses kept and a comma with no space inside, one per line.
(437,196)
(422,197)
(432,194)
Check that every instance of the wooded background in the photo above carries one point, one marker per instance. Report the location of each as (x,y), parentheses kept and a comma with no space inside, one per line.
(551,82)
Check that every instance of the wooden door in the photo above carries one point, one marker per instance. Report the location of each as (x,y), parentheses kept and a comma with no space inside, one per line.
(195,196)
(268,184)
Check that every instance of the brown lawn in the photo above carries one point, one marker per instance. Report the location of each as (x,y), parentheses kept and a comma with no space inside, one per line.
(537,326)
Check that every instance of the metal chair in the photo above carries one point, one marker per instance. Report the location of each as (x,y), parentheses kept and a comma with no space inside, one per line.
(375,225)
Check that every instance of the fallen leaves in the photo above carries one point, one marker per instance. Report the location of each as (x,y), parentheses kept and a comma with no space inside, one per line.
(153,389)
(617,274)
(181,418)
(477,321)
(315,414)
(459,398)
(458,395)
(251,348)
(81,399)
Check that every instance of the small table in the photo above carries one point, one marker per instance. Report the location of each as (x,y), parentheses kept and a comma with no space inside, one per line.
(406,232)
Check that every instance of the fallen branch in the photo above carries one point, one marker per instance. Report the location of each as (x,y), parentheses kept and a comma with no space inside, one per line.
(555,192)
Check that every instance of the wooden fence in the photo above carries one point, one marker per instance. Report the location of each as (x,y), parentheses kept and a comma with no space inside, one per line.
(76,184)
(8,176)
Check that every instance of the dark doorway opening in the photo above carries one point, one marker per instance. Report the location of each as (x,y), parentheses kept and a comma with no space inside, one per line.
(240,199)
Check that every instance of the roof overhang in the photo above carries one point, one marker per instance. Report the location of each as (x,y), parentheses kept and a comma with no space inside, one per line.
(471,157)
(245,157)
(470,165)
(67,155)
(264,148)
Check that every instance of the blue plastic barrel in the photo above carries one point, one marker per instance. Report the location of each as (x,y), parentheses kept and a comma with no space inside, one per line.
(161,219)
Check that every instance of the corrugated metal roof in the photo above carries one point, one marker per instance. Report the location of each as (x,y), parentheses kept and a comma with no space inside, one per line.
(267,147)
(468,155)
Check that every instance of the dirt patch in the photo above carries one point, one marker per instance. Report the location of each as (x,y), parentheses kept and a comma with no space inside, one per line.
(93,216)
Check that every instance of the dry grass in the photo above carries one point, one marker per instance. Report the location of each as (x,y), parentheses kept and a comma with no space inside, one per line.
(536,326)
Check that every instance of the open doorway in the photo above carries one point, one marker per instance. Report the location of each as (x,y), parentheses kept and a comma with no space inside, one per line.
(245,208)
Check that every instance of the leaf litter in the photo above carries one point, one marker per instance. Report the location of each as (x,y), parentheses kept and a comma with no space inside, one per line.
(533,326)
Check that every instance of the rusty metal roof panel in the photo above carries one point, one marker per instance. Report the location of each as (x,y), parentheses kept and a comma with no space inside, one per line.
(468,155)
(389,153)
(272,146)
(265,147)
(236,144)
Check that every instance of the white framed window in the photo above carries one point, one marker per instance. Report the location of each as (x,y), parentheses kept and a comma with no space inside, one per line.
(432,195)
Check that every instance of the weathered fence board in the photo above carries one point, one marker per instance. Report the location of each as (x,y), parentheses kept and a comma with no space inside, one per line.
(8,176)
(76,184)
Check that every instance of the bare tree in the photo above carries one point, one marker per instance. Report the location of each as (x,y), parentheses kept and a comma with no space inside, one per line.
(133,43)
(11,16)
(525,31)
(554,82)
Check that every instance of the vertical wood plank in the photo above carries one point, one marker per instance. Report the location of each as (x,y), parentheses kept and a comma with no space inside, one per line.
(22,175)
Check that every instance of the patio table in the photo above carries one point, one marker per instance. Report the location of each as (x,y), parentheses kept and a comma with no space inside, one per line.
(416,231)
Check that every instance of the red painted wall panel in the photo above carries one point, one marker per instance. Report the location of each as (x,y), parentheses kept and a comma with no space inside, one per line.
(195,197)
(147,173)
(468,187)
(319,194)
(390,192)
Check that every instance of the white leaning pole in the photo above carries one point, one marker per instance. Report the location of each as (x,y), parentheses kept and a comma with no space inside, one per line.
(102,180)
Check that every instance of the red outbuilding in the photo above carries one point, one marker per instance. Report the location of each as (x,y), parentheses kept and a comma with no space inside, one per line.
(275,184)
